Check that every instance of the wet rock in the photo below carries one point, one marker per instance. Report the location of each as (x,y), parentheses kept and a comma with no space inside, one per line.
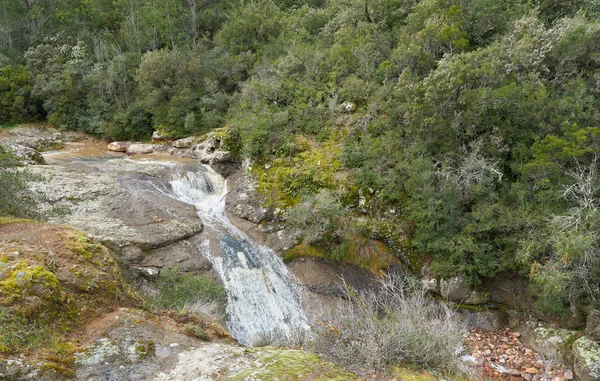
(138,148)
(243,200)
(592,327)
(119,146)
(586,354)
(186,254)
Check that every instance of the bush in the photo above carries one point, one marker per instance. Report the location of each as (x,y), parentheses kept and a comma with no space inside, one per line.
(179,289)
(16,199)
(318,216)
(398,323)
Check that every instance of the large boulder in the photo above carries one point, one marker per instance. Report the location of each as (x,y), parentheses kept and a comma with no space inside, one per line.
(491,320)
(139,148)
(327,278)
(457,289)
(119,146)
(27,154)
(123,205)
(550,342)
(586,354)
(185,142)
(592,327)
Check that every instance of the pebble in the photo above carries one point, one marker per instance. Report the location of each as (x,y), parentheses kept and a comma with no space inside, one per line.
(515,372)
(531,370)
(527,377)
(568,374)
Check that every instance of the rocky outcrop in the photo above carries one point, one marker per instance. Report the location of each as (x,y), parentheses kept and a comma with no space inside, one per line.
(548,341)
(243,200)
(40,138)
(457,289)
(208,149)
(326,278)
(121,204)
(592,327)
(27,142)
(27,154)
(586,356)
(245,209)
(140,149)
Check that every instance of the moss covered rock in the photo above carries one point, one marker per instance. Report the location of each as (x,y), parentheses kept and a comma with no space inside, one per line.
(586,354)
(53,280)
(276,364)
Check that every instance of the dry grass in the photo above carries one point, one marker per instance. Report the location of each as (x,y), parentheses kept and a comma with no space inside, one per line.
(396,324)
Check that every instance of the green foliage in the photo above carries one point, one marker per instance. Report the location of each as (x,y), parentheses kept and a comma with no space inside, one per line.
(16,199)
(472,116)
(177,289)
(318,216)
(16,103)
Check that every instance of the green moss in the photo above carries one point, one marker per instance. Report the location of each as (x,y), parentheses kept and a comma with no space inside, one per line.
(42,298)
(23,280)
(61,369)
(12,220)
(302,251)
(272,364)
(54,146)
(282,181)
(142,349)
(84,247)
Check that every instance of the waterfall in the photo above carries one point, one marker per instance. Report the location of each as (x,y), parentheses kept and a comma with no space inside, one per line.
(263,305)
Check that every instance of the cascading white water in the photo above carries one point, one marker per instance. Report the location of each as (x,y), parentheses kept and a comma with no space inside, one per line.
(263,304)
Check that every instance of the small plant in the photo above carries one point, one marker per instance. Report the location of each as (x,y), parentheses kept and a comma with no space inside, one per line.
(197,331)
(396,324)
(178,289)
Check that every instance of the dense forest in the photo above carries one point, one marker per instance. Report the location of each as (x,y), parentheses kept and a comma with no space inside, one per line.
(459,135)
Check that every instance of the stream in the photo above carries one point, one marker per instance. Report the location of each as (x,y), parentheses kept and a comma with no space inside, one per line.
(263,300)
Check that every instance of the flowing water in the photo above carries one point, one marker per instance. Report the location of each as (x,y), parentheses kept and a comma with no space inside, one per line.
(263,304)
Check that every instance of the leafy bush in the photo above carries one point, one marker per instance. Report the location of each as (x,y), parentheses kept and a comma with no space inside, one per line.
(318,216)
(179,289)
(16,199)
(398,323)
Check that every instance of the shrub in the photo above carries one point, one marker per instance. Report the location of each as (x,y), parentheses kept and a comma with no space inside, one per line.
(178,289)
(397,323)
(318,216)
(16,199)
